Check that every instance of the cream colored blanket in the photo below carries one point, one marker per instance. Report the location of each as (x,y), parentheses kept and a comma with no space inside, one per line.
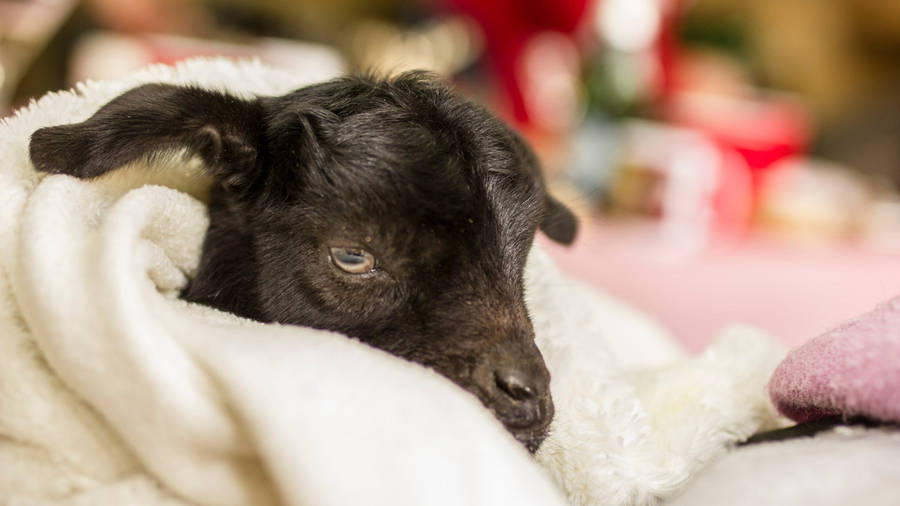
(113,391)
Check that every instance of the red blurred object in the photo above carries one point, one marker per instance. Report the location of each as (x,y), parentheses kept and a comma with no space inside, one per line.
(666,47)
(752,131)
(509,25)
(763,132)
(759,132)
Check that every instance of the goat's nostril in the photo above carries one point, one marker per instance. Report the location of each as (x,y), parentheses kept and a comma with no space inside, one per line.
(515,384)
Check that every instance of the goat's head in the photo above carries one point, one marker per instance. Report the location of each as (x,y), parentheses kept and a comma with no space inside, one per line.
(389,210)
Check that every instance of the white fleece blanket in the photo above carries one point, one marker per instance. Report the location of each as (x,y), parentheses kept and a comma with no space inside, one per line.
(113,391)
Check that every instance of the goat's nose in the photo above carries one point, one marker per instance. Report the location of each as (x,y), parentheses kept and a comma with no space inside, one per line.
(516,384)
(523,391)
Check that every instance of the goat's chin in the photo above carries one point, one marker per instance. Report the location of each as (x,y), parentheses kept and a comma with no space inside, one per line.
(530,440)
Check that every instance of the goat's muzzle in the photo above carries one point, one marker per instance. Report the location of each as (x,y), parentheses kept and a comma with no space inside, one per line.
(514,384)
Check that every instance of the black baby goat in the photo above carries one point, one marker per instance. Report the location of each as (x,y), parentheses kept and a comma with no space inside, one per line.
(390,210)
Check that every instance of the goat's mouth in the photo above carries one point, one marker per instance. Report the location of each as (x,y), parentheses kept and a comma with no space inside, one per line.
(531,429)
(518,397)
(531,440)
(515,388)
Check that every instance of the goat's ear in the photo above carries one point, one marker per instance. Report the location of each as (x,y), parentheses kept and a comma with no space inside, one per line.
(559,223)
(225,132)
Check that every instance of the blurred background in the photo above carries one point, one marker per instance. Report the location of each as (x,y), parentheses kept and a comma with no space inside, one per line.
(731,160)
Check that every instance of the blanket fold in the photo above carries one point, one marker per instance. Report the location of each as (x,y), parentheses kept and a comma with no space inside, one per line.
(114,391)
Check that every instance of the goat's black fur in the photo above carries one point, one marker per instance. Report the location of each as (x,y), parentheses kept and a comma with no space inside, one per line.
(444,195)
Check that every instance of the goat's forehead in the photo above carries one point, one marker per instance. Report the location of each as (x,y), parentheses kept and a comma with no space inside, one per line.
(435,190)
(428,178)
(401,203)
(402,173)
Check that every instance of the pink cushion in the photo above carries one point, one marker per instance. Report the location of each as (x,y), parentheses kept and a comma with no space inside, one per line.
(853,370)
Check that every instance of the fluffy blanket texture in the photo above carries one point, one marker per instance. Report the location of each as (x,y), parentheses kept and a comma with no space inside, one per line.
(113,391)
(854,370)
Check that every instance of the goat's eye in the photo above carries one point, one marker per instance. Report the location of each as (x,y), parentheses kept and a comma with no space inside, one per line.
(352,260)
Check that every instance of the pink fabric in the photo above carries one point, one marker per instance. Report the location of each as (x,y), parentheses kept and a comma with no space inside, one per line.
(791,291)
(853,370)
